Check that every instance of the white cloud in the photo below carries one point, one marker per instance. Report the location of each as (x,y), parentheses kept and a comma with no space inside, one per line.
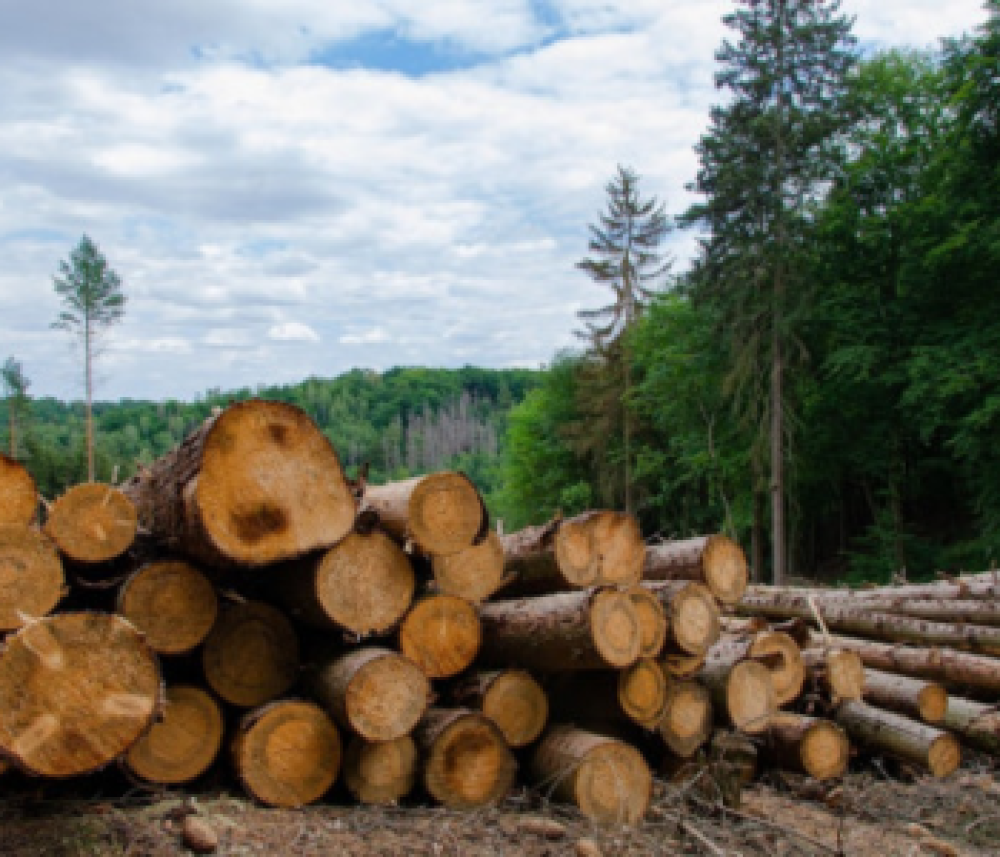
(375,336)
(293,331)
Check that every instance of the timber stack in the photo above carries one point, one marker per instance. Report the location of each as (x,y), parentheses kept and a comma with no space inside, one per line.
(241,605)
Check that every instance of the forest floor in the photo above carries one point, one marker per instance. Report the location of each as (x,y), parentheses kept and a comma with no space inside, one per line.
(867,814)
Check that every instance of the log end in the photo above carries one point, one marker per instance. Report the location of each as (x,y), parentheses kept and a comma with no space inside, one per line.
(18,494)
(932,702)
(750,697)
(31,576)
(380,772)
(688,718)
(725,568)
(642,692)
(600,549)
(474,573)
(693,619)
(615,628)
(386,698)
(652,621)
(469,764)
(445,513)
(845,674)
(944,755)
(92,523)
(824,750)
(441,634)
(518,706)
(783,660)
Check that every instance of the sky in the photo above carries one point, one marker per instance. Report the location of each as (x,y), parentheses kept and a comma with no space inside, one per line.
(293,188)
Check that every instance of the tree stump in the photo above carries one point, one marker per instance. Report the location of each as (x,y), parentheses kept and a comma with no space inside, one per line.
(31,576)
(380,772)
(510,698)
(92,524)
(441,634)
(18,494)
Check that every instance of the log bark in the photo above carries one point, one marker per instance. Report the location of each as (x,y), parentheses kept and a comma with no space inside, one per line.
(596,548)
(287,753)
(258,484)
(974,723)
(510,698)
(18,494)
(183,743)
(78,690)
(888,732)
(31,576)
(808,745)
(652,621)
(92,524)
(977,586)
(691,613)
(466,761)
(474,573)
(566,631)
(374,692)
(380,772)
(839,673)
(687,719)
(742,690)
(715,561)
(607,780)
(441,634)
(916,698)
(439,514)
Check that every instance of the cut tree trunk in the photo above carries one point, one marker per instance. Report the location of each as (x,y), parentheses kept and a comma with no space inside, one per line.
(18,494)
(375,693)
(258,484)
(607,780)
(916,698)
(438,514)
(899,736)
(287,753)
(171,603)
(692,615)
(566,631)
(441,634)
(652,621)
(742,690)
(510,698)
(31,576)
(92,524)
(363,585)
(183,743)
(776,651)
(807,745)
(839,672)
(975,723)
(975,586)
(380,772)
(603,700)
(597,548)
(474,573)
(688,718)
(466,761)
(78,690)
(251,655)
(716,561)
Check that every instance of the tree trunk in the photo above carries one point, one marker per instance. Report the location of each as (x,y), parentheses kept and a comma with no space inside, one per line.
(688,718)
(441,634)
(256,485)
(974,723)
(807,745)
(18,494)
(92,524)
(692,615)
(287,753)
(652,622)
(380,772)
(31,576)
(742,689)
(474,573)
(916,698)
(510,698)
(716,561)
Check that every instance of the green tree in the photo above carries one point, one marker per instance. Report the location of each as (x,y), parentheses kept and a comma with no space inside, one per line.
(92,299)
(15,387)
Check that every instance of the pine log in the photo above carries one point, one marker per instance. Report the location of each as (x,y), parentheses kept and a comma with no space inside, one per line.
(916,698)
(605,700)
(565,631)
(775,650)
(807,745)
(287,753)
(363,585)
(741,689)
(251,655)
(441,634)
(975,723)
(982,611)
(899,736)
(510,698)
(607,780)
(652,621)
(688,718)
(18,494)
(975,586)
(258,484)
(597,548)
(839,672)
(182,743)
(475,573)
(78,690)
(691,612)
(380,772)
(715,561)
(466,761)
(92,523)
(31,576)
(437,514)
(375,693)
(171,603)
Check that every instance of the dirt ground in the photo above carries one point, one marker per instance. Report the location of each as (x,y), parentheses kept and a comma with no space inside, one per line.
(871,812)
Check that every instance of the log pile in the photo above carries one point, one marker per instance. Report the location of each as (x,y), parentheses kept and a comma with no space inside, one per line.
(258,613)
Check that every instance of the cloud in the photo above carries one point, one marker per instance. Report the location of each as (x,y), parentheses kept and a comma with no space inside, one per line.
(293,331)
(374,336)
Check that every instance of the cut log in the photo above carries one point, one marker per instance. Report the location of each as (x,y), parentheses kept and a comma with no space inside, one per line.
(839,672)
(287,753)
(688,717)
(974,723)
(363,585)
(172,603)
(78,690)
(18,494)
(380,772)
(31,576)
(183,743)
(258,484)
(982,611)
(566,631)
(982,585)
(716,561)
(899,736)
(251,655)
(652,621)
(510,698)
(474,573)
(438,514)
(775,650)
(691,613)
(92,523)
(741,689)
(606,779)
(441,634)
(681,665)
(605,700)
(597,548)
(467,762)
(807,745)
(373,692)
(642,692)
(916,698)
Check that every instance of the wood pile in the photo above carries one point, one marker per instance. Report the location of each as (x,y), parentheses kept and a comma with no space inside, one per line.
(241,605)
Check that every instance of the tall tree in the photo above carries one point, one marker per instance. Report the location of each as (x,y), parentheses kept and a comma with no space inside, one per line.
(627,259)
(92,300)
(767,157)
(15,388)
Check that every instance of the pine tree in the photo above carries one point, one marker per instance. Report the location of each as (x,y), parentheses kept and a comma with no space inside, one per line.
(15,388)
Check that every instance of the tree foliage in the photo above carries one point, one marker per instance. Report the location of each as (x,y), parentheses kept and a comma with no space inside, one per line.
(15,389)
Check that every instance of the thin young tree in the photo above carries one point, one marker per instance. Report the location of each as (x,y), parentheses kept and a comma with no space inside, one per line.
(627,258)
(15,389)
(92,300)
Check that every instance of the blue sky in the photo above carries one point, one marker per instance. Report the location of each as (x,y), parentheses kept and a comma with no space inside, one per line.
(291,188)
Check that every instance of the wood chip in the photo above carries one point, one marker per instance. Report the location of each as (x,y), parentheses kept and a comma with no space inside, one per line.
(199,835)
(547,828)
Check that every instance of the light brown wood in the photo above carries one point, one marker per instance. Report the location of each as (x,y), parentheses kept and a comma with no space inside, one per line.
(183,742)
(92,523)
(606,779)
(510,698)
(681,665)
(808,745)
(742,690)
(688,718)
(287,753)
(840,673)
(914,697)
(380,772)
(691,612)
(78,690)
(475,573)
(716,561)
(652,621)
(441,634)
(31,576)
(974,723)
(18,494)
(783,658)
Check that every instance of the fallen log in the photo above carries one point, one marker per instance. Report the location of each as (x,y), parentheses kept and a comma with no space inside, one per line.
(510,698)
(18,494)
(31,576)
(380,772)
(975,723)
(692,616)
(92,524)
(715,561)
(441,634)
(808,745)
(918,699)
